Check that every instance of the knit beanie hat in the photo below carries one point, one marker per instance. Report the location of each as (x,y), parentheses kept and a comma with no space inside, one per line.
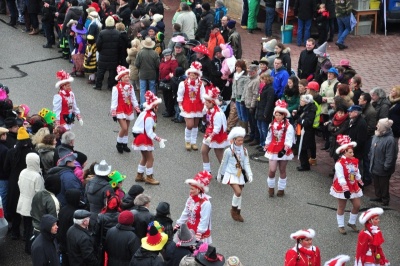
(22,134)
(126,218)
(163,208)
(231,24)
(383,126)
(136,13)
(82,158)
(206,6)
(110,22)
(308,98)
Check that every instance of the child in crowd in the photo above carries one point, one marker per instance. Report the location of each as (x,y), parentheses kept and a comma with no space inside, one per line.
(80,163)
(78,54)
(302,86)
(116,180)
(322,24)
(90,62)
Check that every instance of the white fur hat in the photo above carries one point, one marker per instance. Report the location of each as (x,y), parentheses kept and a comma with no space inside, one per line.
(64,77)
(281,107)
(344,142)
(195,67)
(236,132)
(121,70)
(308,98)
(201,180)
(110,22)
(367,215)
(309,233)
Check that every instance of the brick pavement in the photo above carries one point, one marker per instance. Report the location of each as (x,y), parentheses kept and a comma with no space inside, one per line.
(374,57)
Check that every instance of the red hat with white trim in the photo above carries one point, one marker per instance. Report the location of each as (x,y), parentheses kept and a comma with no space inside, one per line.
(151,100)
(195,67)
(121,70)
(201,49)
(344,142)
(201,181)
(64,78)
(369,214)
(339,260)
(305,233)
(212,95)
(281,107)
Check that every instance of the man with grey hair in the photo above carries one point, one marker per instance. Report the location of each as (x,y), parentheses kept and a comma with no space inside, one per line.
(142,214)
(81,249)
(67,141)
(187,19)
(250,99)
(380,102)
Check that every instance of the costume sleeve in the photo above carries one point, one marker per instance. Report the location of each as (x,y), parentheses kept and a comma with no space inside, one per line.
(317,259)
(184,215)
(114,101)
(181,91)
(362,247)
(268,139)
(217,122)
(290,136)
(75,108)
(290,258)
(205,217)
(246,165)
(133,98)
(57,103)
(340,174)
(148,126)
(202,92)
(224,162)
(358,174)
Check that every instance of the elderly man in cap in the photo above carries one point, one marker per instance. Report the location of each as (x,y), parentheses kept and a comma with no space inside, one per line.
(250,100)
(3,176)
(142,215)
(98,188)
(357,131)
(81,249)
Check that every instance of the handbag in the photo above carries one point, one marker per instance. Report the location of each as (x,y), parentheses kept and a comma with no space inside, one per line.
(246,179)
(164,85)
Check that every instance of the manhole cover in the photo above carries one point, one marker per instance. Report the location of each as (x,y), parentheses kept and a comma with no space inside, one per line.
(259,157)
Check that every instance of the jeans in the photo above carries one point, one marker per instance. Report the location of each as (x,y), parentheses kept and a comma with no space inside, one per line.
(242,111)
(177,113)
(49,32)
(12,7)
(304,26)
(144,84)
(3,195)
(269,20)
(245,13)
(263,130)
(344,28)
(254,134)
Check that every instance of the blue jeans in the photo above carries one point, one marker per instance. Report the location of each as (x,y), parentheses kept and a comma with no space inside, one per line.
(242,111)
(144,83)
(304,26)
(344,28)
(177,113)
(3,194)
(263,130)
(12,7)
(269,20)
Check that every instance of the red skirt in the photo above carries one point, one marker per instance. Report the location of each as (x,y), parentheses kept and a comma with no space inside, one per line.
(142,143)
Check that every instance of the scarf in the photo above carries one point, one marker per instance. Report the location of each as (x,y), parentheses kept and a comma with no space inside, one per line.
(377,237)
(337,121)
(65,93)
(238,75)
(277,125)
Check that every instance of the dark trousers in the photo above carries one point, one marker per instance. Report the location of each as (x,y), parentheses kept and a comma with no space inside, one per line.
(49,32)
(245,13)
(16,222)
(331,27)
(111,77)
(169,101)
(33,17)
(254,134)
(28,232)
(366,174)
(304,159)
(325,133)
(323,34)
(381,184)
(12,7)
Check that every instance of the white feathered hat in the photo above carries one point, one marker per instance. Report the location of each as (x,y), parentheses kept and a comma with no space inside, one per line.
(236,132)
(281,107)
(64,77)
(367,215)
(305,233)
(344,142)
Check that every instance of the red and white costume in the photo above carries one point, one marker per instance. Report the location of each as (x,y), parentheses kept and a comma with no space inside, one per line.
(190,94)
(301,256)
(280,134)
(123,101)
(64,103)
(197,211)
(369,251)
(347,175)
(339,260)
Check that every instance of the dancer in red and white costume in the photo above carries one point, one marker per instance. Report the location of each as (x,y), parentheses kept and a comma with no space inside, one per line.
(339,260)
(64,103)
(143,131)
(369,250)
(346,183)
(191,103)
(278,147)
(215,136)
(303,253)
(123,103)
(197,212)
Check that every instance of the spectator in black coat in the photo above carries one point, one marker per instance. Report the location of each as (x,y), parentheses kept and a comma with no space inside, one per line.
(108,45)
(3,177)
(357,131)
(142,215)
(125,44)
(45,247)
(12,126)
(207,66)
(330,7)
(380,102)
(307,61)
(206,22)
(124,12)
(183,244)
(394,111)
(48,12)
(128,201)
(163,217)
(121,241)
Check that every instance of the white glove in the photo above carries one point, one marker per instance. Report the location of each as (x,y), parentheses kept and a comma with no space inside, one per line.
(219,177)
(81,122)
(250,177)
(89,54)
(208,140)
(181,108)
(162,143)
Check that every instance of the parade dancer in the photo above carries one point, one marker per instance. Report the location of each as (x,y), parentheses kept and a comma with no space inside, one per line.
(215,136)
(369,251)
(197,211)
(64,102)
(191,103)
(303,253)
(123,102)
(346,183)
(235,169)
(278,147)
(143,131)
(339,260)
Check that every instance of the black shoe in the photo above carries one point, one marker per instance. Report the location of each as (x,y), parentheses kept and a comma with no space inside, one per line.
(14,236)
(179,121)
(301,169)
(173,119)
(125,148)
(96,88)
(376,199)
(47,46)
(120,147)
(250,31)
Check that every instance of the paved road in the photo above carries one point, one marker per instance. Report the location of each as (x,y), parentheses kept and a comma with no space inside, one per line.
(29,71)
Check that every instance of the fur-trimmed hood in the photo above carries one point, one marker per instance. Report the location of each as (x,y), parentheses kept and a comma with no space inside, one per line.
(41,147)
(393,100)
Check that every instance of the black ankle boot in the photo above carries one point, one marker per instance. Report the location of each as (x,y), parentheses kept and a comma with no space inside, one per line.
(120,147)
(125,147)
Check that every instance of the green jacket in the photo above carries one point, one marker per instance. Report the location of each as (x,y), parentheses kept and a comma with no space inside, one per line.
(343,8)
(292,101)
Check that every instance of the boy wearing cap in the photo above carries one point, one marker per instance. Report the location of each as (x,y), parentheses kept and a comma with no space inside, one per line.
(179,55)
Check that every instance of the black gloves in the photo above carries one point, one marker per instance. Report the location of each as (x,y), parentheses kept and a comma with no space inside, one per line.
(115,118)
(281,153)
(347,194)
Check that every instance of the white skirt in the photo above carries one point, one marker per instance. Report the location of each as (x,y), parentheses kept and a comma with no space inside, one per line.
(127,117)
(275,157)
(230,179)
(191,115)
(359,194)
(215,145)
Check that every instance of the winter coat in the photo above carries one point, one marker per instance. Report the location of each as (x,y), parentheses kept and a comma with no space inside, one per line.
(30,181)
(48,14)
(238,87)
(334,132)
(124,45)
(68,181)
(250,93)
(44,249)
(281,77)
(3,154)
(13,165)
(394,114)
(61,8)
(330,7)
(265,106)
(215,40)
(383,154)
(356,95)
(124,13)
(96,193)
(236,43)
(356,131)
(205,25)
(81,250)
(11,140)
(293,101)
(134,29)
(44,202)
(74,12)
(167,67)
(286,60)
(34,6)
(182,60)
(175,81)
(104,222)
(173,254)
(142,218)
(46,154)
(208,68)
(382,107)
(121,244)
(189,23)
(167,223)
(343,8)
(305,117)
(147,61)
(307,65)
(369,114)
(144,257)
(305,9)
(108,45)
(130,59)
(65,216)
(327,90)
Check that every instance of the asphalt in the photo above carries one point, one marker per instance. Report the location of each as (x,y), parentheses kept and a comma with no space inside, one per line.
(29,71)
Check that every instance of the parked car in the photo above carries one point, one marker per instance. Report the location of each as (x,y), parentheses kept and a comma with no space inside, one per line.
(3,224)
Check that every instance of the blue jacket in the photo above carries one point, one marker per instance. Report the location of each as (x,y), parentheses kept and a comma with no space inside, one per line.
(280,80)
(68,181)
